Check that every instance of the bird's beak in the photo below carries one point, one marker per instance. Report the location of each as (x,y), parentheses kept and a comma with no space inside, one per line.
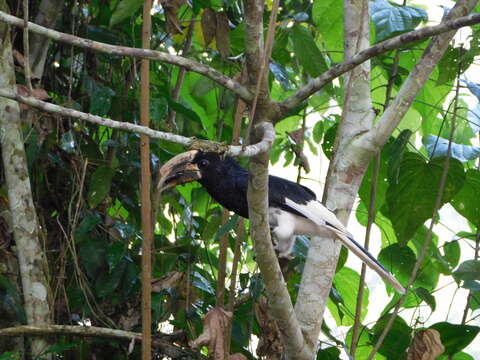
(179,170)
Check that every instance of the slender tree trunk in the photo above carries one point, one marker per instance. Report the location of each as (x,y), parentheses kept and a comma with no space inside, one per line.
(24,218)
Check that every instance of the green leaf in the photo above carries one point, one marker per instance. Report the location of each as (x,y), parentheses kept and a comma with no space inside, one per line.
(391,20)
(467,201)
(107,283)
(307,51)
(99,186)
(200,282)
(328,17)
(92,254)
(346,283)
(330,353)
(455,337)
(452,252)
(10,355)
(125,9)
(412,199)
(468,270)
(317,132)
(457,356)
(426,296)
(114,254)
(100,100)
(399,260)
(397,339)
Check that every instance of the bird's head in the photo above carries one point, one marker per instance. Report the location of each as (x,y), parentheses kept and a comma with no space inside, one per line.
(189,166)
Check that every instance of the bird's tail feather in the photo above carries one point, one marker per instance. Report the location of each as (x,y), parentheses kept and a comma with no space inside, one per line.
(369,260)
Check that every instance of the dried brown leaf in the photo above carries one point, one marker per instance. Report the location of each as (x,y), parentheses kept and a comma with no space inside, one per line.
(19,58)
(215,326)
(270,342)
(37,93)
(170,280)
(426,345)
(297,137)
(209,25)
(223,34)
(171,14)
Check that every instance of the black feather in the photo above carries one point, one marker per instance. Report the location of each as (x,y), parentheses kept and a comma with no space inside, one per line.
(226,181)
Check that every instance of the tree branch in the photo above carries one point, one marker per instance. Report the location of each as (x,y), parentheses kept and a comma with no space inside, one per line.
(345,175)
(316,84)
(244,151)
(92,331)
(418,76)
(191,65)
(280,303)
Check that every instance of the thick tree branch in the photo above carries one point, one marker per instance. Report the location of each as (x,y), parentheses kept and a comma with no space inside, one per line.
(20,201)
(161,343)
(279,300)
(191,65)
(244,151)
(316,84)
(418,77)
(344,174)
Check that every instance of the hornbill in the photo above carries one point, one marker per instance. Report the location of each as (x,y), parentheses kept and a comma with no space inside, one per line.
(293,208)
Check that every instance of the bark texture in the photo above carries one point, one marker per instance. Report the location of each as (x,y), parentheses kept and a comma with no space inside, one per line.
(47,15)
(24,218)
(345,174)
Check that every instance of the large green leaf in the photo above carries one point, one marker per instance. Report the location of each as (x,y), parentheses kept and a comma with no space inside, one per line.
(468,270)
(346,283)
(397,339)
(411,200)
(391,20)
(455,337)
(100,184)
(328,16)
(307,51)
(124,10)
(467,201)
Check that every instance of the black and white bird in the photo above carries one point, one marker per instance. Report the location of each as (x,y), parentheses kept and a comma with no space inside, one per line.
(293,208)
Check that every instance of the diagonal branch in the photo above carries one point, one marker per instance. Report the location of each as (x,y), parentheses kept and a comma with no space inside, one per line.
(244,151)
(188,64)
(316,84)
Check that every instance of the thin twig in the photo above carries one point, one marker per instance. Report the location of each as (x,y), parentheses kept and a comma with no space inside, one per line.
(26,48)
(181,74)
(189,64)
(244,151)
(145,188)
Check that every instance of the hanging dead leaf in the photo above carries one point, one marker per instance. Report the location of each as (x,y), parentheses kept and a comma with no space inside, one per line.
(297,137)
(37,93)
(426,345)
(270,342)
(209,25)
(215,326)
(169,281)
(171,14)
(19,58)
(223,34)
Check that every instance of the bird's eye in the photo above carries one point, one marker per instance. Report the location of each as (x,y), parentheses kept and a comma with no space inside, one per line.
(203,163)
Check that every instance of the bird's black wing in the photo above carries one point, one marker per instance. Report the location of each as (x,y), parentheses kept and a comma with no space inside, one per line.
(281,189)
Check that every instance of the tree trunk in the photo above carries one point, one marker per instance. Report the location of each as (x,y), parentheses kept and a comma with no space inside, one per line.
(24,218)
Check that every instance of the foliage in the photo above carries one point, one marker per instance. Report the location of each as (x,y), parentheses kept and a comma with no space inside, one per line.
(85,178)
